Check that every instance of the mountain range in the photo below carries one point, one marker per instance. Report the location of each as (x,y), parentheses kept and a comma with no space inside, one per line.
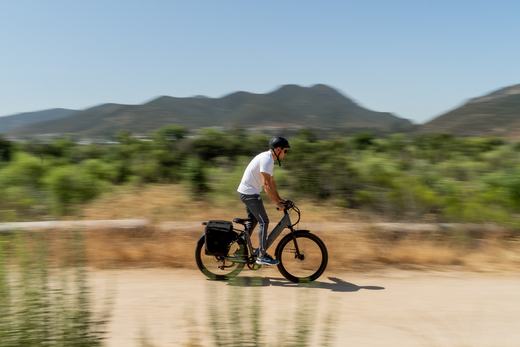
(289,107)
(19,120)
(495,114)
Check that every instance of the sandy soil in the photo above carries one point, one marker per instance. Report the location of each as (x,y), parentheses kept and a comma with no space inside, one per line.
(174,307)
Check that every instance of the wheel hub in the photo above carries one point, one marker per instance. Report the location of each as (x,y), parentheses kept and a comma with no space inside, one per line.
(302,257)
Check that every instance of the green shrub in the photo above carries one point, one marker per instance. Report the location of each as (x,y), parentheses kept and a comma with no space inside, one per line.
(24,170)
(196,176)
(100,170)
(71,185)
(460,169)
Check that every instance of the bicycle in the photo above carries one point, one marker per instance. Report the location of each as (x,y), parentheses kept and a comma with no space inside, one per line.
(302,255)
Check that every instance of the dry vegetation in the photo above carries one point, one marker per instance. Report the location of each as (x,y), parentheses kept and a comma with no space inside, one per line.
(358,249)
(355,250)
(173,202)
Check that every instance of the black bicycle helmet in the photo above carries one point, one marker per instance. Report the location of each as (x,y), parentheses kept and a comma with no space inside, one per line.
(279,142)
(276,142)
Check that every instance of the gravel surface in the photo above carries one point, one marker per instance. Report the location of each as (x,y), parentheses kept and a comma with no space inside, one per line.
(163,307)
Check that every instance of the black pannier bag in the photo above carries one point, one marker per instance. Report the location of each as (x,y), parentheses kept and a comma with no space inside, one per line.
(219,234)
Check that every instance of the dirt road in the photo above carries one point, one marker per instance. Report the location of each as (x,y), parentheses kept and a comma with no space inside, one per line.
(160,307)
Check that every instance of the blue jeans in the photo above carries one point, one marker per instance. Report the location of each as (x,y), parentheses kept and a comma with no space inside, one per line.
(256,211)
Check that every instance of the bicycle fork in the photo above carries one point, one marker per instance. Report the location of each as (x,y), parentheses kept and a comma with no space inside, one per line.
(297,254)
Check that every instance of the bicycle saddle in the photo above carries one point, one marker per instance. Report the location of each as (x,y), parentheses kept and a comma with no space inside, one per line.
(242,221)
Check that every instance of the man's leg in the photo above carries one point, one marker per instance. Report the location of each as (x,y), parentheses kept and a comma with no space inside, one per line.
(252,224)
(255,208)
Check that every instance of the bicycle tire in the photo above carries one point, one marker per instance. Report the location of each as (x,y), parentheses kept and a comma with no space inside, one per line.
(313,257)
(209,264)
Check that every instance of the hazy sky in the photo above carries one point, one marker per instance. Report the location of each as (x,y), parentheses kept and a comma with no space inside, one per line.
(414,58)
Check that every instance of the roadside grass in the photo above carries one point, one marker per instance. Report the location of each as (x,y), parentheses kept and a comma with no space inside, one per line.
(355,249)
(45,299)
(351,250)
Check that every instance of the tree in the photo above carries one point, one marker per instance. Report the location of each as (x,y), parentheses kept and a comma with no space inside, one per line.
(171,133)
(363,140)
(6,149)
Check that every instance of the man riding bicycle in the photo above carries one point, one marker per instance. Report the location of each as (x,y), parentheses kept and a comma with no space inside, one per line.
(259,173)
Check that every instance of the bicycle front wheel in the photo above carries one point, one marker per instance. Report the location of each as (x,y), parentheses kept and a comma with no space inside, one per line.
(306,264)
(220,267)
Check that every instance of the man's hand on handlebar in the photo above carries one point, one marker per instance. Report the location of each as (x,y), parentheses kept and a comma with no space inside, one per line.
(280,205)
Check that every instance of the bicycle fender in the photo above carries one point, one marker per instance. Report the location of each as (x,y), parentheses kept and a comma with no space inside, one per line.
(301,231)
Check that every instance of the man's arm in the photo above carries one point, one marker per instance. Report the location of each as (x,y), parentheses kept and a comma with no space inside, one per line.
(270,189)
(276,190)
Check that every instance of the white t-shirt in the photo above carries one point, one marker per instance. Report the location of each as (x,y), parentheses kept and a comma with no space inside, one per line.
(252,179)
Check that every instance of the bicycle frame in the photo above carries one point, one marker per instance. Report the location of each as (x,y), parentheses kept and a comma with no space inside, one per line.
(285,222)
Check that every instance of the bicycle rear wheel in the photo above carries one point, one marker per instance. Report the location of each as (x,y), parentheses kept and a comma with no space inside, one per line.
(220,267)
(311,261)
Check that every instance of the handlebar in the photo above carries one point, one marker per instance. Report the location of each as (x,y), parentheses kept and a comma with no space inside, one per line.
(291,205)
(288,204)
